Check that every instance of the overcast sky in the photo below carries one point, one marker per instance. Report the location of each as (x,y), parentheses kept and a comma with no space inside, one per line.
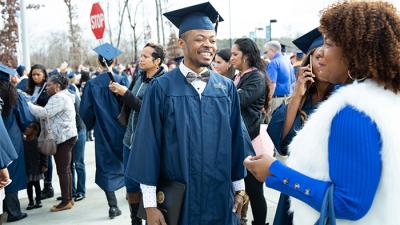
(293,16)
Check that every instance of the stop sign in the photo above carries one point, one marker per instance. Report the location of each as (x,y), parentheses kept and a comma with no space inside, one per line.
(97,20)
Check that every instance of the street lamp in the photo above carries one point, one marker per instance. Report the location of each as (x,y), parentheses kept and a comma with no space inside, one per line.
(255,34)
(270,28)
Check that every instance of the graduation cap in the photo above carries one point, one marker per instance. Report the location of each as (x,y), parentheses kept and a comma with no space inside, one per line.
(195,17)
(107,51)
(283,48)
(310,40)
(20,70)
(54,73)
(299,55)
(6,72)
(71,74)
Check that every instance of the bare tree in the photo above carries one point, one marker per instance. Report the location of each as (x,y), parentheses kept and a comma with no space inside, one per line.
(162,21)
(158,21)
(173,49)
(53,51)
(108,22)
(74,36)
(9,33)
(121,20)
(133,25)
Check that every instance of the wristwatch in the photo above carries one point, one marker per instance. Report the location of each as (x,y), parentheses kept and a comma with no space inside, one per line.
(244,195)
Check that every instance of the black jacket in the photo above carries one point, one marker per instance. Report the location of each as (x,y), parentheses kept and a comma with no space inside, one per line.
(251,90)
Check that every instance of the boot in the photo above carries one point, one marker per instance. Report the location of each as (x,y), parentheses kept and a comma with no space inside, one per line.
(38,203)
(114,211)
(31,205)
(47,192)
(243,217)
(133,200)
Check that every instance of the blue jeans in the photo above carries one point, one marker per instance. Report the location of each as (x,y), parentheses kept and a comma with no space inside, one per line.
(78,164)
(131,185)
(48,176)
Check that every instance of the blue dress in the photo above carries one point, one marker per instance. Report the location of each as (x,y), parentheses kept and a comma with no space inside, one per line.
(199,142)
(16,122)
(99,110)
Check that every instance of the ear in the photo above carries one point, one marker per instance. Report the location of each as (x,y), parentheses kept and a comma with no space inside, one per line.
(157,61)
(181,43)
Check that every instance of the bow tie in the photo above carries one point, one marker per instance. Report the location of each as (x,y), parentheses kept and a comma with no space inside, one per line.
(190,77)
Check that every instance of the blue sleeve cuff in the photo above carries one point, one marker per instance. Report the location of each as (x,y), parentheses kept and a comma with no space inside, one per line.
(295,184)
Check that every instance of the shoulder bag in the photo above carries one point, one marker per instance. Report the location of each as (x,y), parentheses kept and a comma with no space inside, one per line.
(46,141)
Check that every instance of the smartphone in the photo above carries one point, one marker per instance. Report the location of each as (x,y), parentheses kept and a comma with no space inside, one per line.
(311,64)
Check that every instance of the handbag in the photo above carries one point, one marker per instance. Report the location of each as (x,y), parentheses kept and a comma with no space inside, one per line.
(327,213)
(46,141)
(170,197)
(262,144)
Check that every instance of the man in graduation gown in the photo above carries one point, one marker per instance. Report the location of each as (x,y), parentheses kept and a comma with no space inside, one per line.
(190,130)
(16,120)
(99,109)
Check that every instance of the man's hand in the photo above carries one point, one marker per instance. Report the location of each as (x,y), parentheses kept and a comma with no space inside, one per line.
(4,177)
(240,200)
(155,217)
(117,88)
(259,166)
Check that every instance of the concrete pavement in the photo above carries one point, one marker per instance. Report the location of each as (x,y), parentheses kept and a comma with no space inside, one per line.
(93,210)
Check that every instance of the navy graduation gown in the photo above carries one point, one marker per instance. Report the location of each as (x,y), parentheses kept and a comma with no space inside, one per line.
(199,142)
(99,110)
(16,122)
(7,150)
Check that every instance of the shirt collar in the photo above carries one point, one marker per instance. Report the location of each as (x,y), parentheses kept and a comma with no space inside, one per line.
(185,70)
(278,54)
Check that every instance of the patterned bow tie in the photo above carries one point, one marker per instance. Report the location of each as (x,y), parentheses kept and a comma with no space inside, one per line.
(190,77)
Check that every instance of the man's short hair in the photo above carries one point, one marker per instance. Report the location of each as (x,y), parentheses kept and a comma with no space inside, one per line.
(275,45)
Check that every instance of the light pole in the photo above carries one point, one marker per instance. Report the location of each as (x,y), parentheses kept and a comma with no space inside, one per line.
(255,34)
(24,36)
(270,28)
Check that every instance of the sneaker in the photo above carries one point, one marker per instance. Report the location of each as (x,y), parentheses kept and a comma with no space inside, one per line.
(79,197)
(62,206)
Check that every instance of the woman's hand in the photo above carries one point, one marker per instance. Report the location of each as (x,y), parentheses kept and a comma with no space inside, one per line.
(303,81)
(259,166)
(117,88)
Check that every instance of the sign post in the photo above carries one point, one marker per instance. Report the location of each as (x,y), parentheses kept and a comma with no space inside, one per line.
(97,21)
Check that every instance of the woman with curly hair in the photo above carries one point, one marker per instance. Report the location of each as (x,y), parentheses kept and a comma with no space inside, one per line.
(60,112)
(350,143)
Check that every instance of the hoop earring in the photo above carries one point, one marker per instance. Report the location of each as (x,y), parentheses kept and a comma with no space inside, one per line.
(349,75)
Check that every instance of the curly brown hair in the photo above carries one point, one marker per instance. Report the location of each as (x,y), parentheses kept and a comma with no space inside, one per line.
(369,34)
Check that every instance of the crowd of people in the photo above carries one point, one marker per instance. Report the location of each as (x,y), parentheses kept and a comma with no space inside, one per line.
(331,108)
